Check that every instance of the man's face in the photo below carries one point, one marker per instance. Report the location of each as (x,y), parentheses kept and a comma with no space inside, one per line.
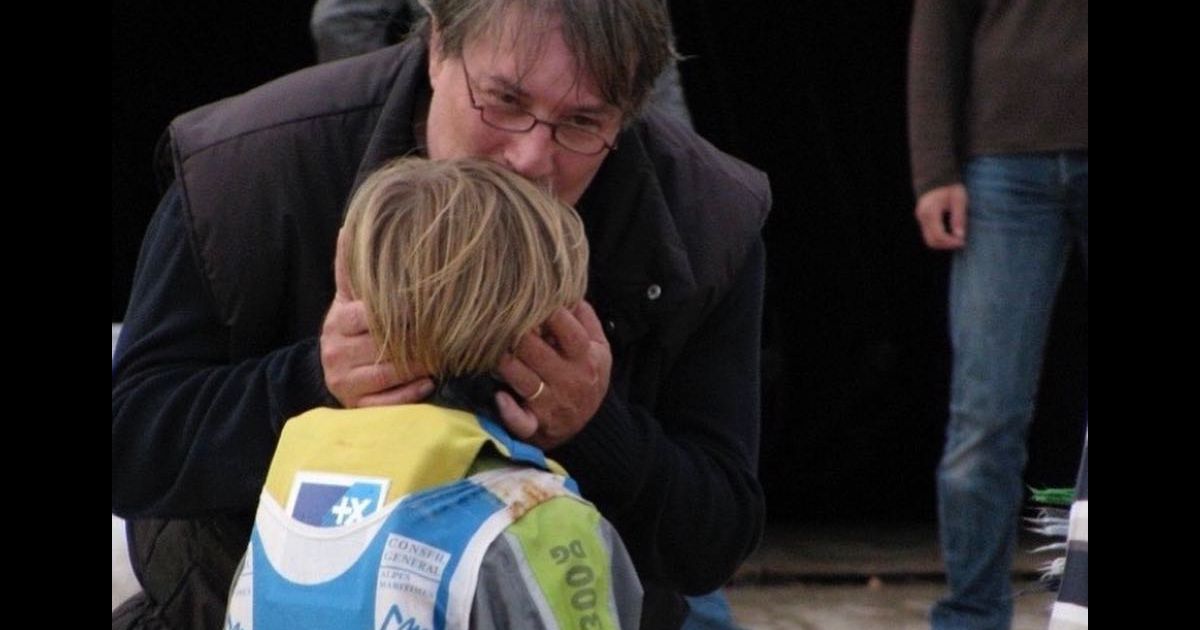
(543,82)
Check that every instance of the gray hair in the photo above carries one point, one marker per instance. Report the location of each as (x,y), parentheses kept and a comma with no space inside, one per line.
(622,45)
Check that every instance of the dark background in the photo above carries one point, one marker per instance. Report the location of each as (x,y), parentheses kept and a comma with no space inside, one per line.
(855,351)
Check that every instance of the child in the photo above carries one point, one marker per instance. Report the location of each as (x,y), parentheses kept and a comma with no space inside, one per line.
(431,515)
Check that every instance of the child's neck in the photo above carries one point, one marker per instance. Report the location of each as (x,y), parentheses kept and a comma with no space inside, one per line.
(473,393)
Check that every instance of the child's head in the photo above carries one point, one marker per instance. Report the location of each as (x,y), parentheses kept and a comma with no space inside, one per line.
(456,260)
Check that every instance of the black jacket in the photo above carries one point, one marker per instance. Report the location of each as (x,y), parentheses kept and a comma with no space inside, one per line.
(220,340)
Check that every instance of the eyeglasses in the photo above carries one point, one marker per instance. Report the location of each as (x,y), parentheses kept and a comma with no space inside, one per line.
(499,114)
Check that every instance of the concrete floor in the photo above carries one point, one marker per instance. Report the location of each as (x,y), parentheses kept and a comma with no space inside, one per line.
(870,577)
(880,605)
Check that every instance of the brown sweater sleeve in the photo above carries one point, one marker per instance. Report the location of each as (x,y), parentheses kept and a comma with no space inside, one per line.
(938,66)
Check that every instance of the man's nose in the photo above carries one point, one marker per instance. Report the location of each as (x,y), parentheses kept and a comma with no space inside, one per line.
(532,153)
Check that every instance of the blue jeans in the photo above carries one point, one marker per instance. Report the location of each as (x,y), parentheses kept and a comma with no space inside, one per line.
(709,612)
(1024,213)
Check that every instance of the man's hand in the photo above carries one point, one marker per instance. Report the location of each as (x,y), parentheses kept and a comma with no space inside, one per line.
(942,214)
(349,354)
(562,375)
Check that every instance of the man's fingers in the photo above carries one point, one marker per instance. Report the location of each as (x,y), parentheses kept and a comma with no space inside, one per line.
(942,215)
(934,233)
(348,319)
(519,421)
(519,376)
(380,384)
(538,355)
(590,322)
(341,273)
(958,217)
(366,380)
(931,216)
(352,352)
(570,334)
(408,393)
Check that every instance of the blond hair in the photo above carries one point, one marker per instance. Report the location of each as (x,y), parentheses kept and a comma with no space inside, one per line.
(456,260)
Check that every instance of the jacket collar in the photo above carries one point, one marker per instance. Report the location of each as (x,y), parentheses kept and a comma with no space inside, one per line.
(394,134)
(635,242)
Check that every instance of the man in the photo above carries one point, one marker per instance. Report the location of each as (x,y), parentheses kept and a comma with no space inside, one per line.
(998,115)
(230,329)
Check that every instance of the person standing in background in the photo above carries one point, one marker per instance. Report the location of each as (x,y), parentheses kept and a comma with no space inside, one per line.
(998,130)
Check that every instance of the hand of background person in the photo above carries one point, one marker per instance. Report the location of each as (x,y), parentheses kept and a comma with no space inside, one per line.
(942,215)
